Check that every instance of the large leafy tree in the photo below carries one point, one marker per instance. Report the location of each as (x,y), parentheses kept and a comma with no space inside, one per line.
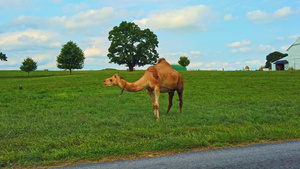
(3,56)
(184,61)
(28,65)
(70,57)
(132,46)
(273,57)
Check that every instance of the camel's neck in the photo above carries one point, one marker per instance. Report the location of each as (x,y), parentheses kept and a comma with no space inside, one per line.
(132,87)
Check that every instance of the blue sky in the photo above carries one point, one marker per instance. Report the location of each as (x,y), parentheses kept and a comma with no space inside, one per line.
(213,34)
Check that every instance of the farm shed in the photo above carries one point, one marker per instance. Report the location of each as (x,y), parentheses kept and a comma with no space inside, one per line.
(281,64)
(292,61)
(178,67)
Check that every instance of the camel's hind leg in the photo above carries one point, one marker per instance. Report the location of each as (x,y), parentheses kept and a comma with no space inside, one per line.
(180,99)
(171,94)
(150,93)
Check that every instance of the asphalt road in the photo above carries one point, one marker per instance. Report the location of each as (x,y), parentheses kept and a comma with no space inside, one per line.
(273,155)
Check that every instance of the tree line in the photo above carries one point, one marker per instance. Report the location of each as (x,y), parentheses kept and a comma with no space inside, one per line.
(71,57)
(130,46)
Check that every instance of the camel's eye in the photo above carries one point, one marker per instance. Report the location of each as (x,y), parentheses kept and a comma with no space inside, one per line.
(110,80)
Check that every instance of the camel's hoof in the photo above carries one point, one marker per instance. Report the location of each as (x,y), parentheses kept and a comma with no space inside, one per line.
(157,119)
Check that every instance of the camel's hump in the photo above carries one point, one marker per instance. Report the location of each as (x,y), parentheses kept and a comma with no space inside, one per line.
(161,59)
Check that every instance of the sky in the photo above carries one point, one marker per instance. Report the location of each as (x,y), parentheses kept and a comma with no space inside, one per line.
(213,34)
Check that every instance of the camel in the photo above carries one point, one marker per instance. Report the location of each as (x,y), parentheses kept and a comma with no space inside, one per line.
(160,78)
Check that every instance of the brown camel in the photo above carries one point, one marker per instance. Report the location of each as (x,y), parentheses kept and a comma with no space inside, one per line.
(160,78)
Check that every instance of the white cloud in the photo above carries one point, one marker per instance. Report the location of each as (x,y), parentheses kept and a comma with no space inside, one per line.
(229,17)
(34,22)
(234,51)
(97,46)
(262,17)
(50,65)
(94,51)
(56,21)
(239,63)
(294,37)
(285,47)
(26,22)
(283,12)
(9,62)
(82,21)
(244,50)
(90,18)
(74,7)
(17,6)
(219,65)
(195,52)
(216,66)
(265,48)
(280,38)
(196,64)
(291,37)
(259,16)
(57,1)
(239,44)
(173,58)
(255,64)
(55,44)
(42,57)
(189,18)
(11,3)
(15,40)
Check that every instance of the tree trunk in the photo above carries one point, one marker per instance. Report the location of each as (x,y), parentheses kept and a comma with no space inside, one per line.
(130,68)
(70,71)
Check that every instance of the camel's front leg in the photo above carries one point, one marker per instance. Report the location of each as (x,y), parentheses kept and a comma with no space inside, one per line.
(152,99)
(157,92)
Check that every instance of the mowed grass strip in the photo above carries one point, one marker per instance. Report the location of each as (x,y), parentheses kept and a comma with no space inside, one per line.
(58,117)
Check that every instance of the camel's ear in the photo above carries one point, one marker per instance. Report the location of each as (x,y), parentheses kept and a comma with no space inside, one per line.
(116,75)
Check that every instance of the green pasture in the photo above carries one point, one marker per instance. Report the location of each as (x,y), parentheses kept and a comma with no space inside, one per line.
(59,118)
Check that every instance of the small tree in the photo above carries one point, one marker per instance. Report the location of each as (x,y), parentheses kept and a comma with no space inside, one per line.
(28,65)
(132,46)
(70,57)
(3,57)
(184,61)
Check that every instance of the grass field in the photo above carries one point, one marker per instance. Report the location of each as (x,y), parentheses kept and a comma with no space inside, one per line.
(59,117)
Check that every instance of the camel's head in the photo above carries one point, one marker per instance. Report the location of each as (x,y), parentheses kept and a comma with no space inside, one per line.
(112,81)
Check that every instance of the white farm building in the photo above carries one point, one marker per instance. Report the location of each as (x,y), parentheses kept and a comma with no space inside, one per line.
(292,61)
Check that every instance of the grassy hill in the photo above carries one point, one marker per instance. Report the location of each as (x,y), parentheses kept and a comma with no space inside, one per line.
(58,117)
